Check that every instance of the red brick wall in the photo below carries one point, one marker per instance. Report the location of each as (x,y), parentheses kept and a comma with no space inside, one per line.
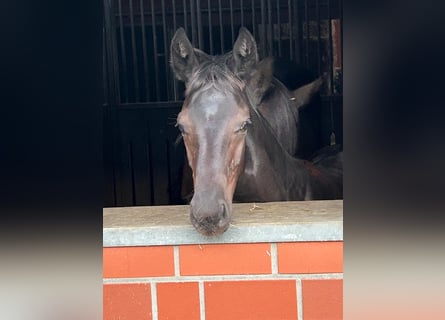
(224,281)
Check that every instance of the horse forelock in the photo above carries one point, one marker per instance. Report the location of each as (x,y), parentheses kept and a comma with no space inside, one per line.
(214,73)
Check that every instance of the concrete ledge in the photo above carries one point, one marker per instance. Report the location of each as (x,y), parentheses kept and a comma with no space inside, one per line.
(291,221)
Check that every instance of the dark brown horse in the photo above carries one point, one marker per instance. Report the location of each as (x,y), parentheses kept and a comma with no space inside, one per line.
(231,148)
(279,106)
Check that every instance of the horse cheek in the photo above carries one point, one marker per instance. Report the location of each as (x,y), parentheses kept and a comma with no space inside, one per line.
(235,165)
(191,149)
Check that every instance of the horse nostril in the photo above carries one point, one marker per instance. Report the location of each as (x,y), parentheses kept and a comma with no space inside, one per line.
(224,211)
(209,220)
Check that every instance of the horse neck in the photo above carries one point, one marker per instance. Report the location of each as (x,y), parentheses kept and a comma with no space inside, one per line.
(266,157)
(326,176)
(277,109)
(272,174)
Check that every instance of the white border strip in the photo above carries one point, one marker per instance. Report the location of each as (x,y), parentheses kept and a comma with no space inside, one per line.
(176,261)
(320,276)
(202,306)
(299,299)
(274,258)
(154,302)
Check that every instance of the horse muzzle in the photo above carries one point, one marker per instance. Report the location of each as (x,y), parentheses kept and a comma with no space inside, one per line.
(210,217)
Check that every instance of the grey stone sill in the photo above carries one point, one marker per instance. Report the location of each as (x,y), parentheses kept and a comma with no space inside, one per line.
(263,222)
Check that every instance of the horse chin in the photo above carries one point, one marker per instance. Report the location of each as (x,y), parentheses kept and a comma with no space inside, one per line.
(209,227)
(210,212)
(211,232)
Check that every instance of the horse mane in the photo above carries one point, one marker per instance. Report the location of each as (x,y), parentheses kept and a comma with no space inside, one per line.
(214,73)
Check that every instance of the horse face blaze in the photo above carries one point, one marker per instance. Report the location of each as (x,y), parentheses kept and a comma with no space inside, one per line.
(214,126)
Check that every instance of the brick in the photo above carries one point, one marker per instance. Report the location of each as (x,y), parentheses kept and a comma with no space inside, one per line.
(133,262)
(127,302)
(178,301)
(310,257)
(268,299)
(322,299)
(218,259)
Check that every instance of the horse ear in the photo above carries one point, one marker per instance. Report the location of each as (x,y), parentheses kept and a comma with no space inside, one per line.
(260,78)
(245,53)
(182,55)
(303,95)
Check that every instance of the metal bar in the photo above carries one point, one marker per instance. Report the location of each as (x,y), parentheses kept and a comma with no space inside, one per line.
(134,52)
(169,173)
(175,83)
(152,105)
(269,28)
(144,52)
(221,31)
(263,29)
(232,28)
(330,53)
(113,67)
(123,54)
(174,14)
(317,7)
(253,18)
(149,146)
(297,33)
(210,27)
(166,66)
(192,21)
(242,12)
(279,27)
(289,5)
(132,173)
(307,32)
(198,10)
(331,69)
(170,12)
(155,49)
(185,15)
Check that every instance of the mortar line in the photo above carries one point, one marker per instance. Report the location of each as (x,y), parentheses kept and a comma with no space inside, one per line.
(176,261)
(154,301)
(274,258)
(202,307)
(233,277)
(299,299)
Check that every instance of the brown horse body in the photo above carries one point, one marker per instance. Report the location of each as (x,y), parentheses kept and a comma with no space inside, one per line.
(233,151)
(279,106)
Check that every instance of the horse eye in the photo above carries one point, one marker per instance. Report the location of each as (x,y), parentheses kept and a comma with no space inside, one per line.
(180,128)
(244,126)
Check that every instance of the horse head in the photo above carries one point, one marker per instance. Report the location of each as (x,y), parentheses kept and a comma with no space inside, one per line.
(221,93)
(213,122)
